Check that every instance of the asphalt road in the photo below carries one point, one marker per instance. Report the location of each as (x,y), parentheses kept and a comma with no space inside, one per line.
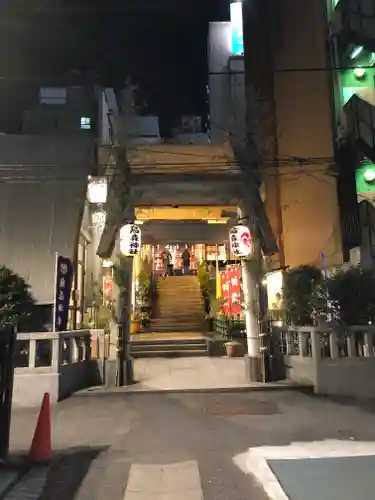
(102,443)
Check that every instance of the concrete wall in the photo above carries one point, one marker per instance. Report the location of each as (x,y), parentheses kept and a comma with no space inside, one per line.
(43,184)
(285,53)
(308,196)
(351,377)
(300,370)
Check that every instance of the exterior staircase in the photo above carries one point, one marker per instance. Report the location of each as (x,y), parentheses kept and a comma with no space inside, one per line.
(179,306)
(169,348)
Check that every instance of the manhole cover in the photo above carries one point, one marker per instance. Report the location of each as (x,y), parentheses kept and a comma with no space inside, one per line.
(227,405)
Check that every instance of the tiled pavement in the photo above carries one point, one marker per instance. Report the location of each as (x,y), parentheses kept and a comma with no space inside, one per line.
(149,446)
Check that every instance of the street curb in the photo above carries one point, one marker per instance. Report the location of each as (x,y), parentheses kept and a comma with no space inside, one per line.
(306,388)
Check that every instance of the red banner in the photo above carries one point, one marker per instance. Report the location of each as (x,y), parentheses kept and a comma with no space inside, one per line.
(107,288)
(231,289)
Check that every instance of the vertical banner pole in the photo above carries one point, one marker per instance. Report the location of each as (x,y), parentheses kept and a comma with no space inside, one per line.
(217,272)
(55,294)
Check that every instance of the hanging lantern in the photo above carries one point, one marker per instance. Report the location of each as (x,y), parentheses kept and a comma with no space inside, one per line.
(130,239)
(241,241)
(97,191)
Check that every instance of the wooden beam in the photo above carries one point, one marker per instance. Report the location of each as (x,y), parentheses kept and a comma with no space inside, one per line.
(175,194)
(183,178)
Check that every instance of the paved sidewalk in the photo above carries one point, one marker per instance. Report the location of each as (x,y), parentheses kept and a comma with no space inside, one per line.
(118,446)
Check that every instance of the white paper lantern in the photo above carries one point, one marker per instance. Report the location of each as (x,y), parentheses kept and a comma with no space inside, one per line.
(241,241)
(130,239)
(97,191)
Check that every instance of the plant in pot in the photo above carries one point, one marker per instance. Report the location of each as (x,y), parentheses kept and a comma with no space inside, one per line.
(135,325)
(232,346)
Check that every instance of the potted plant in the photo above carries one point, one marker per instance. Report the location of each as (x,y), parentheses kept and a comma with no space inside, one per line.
(231,346)
(135,325)
(145,319)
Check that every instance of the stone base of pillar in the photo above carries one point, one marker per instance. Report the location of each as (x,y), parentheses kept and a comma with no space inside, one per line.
(110,373)
(128,371)
(253,369)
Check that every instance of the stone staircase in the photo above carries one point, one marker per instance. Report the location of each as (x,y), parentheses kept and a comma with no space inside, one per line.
(169,348)
(179,306)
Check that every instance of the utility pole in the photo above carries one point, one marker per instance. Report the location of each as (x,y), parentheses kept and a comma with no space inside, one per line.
(251,276)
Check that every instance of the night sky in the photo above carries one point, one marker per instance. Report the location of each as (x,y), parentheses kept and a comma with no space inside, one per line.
(160,43)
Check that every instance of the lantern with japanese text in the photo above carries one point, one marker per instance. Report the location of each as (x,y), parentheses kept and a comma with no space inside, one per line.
(130,240)
(241,241)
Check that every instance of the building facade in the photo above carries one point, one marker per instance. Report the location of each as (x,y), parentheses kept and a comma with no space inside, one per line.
(44,175)
(351,41)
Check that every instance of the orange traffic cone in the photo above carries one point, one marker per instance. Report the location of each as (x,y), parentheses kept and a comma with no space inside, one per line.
(41,450)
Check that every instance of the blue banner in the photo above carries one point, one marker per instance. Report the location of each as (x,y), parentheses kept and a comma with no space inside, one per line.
(64,281)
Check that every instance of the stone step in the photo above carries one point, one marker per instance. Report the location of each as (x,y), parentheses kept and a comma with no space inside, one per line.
(169,348)
(185,311)
(176,328)
(169,354)
(181,319)
(187,306)
(175,341)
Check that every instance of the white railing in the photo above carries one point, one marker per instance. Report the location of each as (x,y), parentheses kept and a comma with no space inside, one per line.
(334,361)
(59,363)
(51,350)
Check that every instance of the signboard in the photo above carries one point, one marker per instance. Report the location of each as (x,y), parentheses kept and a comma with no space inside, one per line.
(236,24)
(64,280)
(230,280)
(241,242)
(130,239)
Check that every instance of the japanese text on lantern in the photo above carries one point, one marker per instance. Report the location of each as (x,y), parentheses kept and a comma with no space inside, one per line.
(130,239)
(241,242)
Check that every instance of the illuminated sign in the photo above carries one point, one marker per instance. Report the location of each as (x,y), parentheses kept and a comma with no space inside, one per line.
(236,28)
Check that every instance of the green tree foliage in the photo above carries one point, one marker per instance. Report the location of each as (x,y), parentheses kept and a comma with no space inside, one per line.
(16,301)
(353,296)
(303,294)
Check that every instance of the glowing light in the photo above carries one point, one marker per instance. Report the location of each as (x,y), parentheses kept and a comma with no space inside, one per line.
(359,72)
(97,190)
(356,52)
(369,175)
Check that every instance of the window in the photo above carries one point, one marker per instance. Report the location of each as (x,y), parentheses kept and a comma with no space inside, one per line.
(52,95)
(85,123)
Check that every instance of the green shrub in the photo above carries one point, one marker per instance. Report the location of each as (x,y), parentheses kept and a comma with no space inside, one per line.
(303,298)
(16,302)
(353,295)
